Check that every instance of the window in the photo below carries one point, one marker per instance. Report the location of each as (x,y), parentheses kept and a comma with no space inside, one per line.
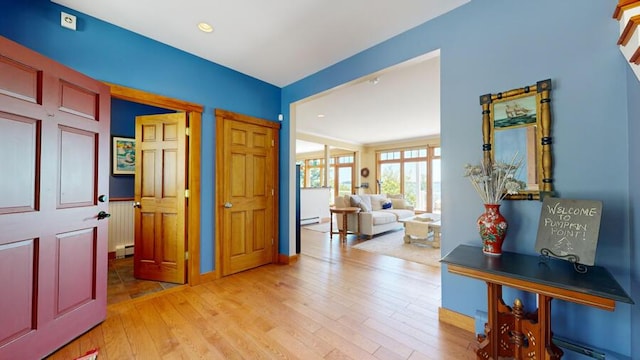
(341,174)
(314,172)
(302,177)
(342,184)
(413,172)
(436,199)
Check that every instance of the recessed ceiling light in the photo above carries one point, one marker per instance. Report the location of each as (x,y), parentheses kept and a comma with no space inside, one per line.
(320,115)
(203,26)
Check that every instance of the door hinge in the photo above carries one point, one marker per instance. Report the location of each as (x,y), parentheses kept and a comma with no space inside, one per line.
(271,241)
(187,193)
(273,143)
(186,255)
(273,192)
(187,131)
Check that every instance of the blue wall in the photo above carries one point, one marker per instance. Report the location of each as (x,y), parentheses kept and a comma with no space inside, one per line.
(489,46)
(112,54)
(633,86)
(123,123)
(486,46)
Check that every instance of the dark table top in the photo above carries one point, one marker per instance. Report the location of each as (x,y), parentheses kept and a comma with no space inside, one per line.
(536,269)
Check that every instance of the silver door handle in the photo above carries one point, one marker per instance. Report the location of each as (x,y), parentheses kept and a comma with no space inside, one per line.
(228,205)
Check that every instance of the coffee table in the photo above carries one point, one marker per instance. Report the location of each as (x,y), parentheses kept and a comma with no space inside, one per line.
(418,228)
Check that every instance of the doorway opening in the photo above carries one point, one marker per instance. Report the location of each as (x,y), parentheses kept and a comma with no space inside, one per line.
(392,109)
(122,285)
(121,269)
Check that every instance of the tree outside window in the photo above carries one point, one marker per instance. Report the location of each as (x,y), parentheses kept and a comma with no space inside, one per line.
(390,178)
(315,172)
(414,173)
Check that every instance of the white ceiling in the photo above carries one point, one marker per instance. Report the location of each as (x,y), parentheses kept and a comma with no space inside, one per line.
(282,41)
(401,102)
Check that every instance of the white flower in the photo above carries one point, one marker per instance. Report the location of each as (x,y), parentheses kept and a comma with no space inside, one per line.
(495,180)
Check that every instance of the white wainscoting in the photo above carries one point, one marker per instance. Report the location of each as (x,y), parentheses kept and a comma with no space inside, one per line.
(314,205)
(121,227)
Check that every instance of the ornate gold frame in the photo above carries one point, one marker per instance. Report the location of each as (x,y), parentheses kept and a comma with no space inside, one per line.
(543,155)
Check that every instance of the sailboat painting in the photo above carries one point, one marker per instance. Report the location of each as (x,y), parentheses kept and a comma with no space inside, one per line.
(124,156)
(516,112)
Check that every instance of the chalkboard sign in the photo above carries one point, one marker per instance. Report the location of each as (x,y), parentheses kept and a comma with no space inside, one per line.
(569,229)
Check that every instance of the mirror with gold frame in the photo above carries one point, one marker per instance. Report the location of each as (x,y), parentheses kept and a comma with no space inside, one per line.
(519,120)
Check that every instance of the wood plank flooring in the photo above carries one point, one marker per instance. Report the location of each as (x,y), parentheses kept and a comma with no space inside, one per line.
(334,303)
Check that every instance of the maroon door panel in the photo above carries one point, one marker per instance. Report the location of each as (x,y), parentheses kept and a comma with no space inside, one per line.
(17,256)
(19,135)
(19,80)
(54,142)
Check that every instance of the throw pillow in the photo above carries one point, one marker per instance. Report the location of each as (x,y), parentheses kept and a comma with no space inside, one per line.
(398,203)
(355,200)
(387,204)
(365,204)
(376,201)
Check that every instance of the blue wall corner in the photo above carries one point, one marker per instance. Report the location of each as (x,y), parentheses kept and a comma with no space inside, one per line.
(486,46)
(633,94)
(489,46)
(110,53)
(123,123)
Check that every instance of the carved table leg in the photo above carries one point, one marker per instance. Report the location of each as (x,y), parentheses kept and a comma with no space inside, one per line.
(489,348)
(513,333)
(544,317)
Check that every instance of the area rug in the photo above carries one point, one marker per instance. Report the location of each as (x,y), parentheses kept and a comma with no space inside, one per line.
(321,227)
(392,244)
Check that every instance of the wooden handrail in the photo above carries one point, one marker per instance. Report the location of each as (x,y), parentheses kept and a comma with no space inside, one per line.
(635,58)
(631,26)
(624,5)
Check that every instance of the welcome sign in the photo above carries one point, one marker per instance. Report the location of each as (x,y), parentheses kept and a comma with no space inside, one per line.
(570,227)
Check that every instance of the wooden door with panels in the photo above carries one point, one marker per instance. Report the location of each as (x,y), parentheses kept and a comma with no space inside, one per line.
(54,142)
(247,193)
(160,189)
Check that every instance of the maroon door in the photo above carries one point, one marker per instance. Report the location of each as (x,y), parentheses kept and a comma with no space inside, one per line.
(54,148)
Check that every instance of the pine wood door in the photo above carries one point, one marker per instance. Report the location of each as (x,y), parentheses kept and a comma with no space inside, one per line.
(248,206)
(160,236)
(54,143)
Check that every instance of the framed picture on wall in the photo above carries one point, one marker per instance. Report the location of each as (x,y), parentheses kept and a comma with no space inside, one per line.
(123,152)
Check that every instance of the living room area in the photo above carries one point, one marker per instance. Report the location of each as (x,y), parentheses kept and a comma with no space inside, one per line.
(350,152)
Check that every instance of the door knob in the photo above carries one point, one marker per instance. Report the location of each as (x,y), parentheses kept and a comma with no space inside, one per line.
(103,215)
(137,205)
(103,198)
(228,205)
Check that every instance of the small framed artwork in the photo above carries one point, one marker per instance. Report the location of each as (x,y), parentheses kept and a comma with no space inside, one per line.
(123,152)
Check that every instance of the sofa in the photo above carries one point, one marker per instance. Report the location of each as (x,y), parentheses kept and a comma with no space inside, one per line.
(378,213)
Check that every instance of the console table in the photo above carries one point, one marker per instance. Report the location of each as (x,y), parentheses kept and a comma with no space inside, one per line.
(510,332)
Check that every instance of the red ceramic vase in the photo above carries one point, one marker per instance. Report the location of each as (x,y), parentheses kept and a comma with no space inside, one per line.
(493,229)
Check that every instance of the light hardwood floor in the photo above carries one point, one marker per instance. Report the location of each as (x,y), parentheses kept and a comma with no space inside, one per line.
(334,303)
